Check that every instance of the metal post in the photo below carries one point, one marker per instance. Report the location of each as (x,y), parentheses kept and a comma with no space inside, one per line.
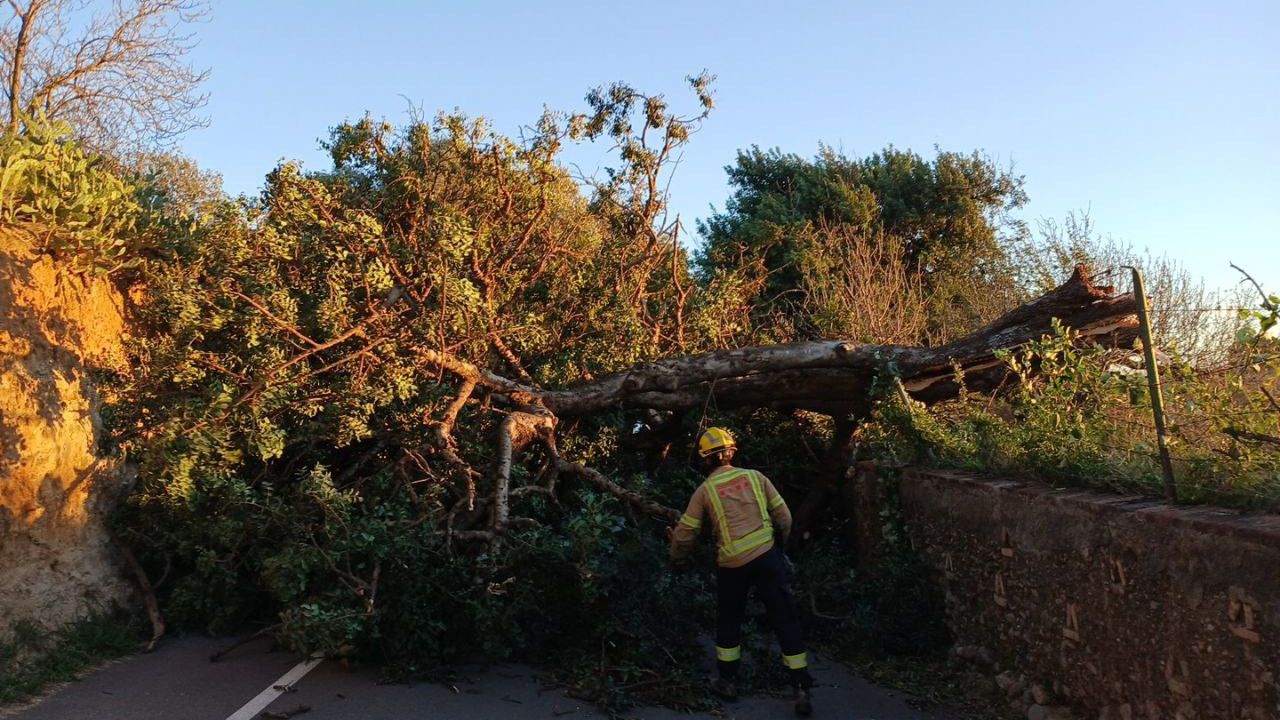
(1153,384)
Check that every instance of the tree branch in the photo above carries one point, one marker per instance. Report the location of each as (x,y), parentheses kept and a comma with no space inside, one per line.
(148,597)
(833,376)
(1252,436)
(631,497)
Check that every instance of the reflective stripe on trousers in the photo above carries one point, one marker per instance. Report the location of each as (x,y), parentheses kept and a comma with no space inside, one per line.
(768,575)
(799,661)
(732,654)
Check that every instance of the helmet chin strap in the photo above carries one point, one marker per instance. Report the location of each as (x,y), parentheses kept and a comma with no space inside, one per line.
(723,458)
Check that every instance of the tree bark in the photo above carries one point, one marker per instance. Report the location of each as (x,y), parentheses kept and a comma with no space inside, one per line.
(631,497)
(831,377)
(834,464)
(26,20)
(834,376)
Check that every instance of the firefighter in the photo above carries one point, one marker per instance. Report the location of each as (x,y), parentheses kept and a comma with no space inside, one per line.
(743,508)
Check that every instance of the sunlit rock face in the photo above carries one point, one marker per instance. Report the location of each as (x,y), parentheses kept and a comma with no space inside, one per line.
(56,559)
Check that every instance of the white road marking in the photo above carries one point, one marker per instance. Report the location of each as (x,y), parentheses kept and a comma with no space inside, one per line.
(275,690)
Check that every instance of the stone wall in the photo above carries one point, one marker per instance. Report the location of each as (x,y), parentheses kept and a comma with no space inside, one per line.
(56,559)
(1118,606)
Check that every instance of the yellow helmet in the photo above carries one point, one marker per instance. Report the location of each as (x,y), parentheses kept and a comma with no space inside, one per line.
(714,440)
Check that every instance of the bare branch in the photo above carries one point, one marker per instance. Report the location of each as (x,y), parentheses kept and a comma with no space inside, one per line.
(1249,277)
(514,434)
(291,329)
(517,392)
(455,407)
(148,596)
(1271,398)
(1253,436)
(631,497)
(118,76)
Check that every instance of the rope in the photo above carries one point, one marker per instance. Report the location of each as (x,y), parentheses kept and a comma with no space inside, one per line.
(702,421)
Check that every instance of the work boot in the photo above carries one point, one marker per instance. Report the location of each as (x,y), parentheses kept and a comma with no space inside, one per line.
(726,690)
(804,702)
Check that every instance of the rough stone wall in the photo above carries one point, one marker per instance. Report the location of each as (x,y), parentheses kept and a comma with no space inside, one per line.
(56,561)
(1127,607)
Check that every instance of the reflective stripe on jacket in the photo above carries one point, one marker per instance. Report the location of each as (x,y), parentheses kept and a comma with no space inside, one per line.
(742,507)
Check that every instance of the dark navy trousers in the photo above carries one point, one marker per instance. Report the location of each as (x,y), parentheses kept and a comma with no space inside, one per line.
(767,574)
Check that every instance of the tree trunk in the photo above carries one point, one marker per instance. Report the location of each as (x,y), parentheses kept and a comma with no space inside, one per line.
(25,21)
(833,376)
(834,464)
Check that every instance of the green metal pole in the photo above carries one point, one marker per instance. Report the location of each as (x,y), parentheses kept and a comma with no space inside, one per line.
(1153,385)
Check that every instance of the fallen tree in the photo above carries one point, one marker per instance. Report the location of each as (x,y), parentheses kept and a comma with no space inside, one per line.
(828,377)
(344,415)
(832,377)
(421,405)
(392,407)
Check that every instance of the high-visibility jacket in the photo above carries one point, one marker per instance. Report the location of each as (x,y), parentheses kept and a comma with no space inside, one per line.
(742,507)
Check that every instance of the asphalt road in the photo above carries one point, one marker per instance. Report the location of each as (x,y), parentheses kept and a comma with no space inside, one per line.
(178,682)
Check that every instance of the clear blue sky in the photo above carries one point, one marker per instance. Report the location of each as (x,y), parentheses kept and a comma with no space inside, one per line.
(1161,118)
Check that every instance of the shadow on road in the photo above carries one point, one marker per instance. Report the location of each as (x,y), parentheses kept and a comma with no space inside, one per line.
(178,682)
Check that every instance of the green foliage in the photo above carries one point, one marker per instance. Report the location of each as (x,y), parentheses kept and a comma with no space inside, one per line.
(891,609)
(894,610)
(303,458)
(1259,324)
(67,200)
(947,216)
(284,418)
(1078,418)
(33,658)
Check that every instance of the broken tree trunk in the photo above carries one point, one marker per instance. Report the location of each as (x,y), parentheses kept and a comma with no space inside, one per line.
(830,377)
(833,377)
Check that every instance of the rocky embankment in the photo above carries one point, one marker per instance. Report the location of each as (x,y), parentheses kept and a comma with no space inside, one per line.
(56,558)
